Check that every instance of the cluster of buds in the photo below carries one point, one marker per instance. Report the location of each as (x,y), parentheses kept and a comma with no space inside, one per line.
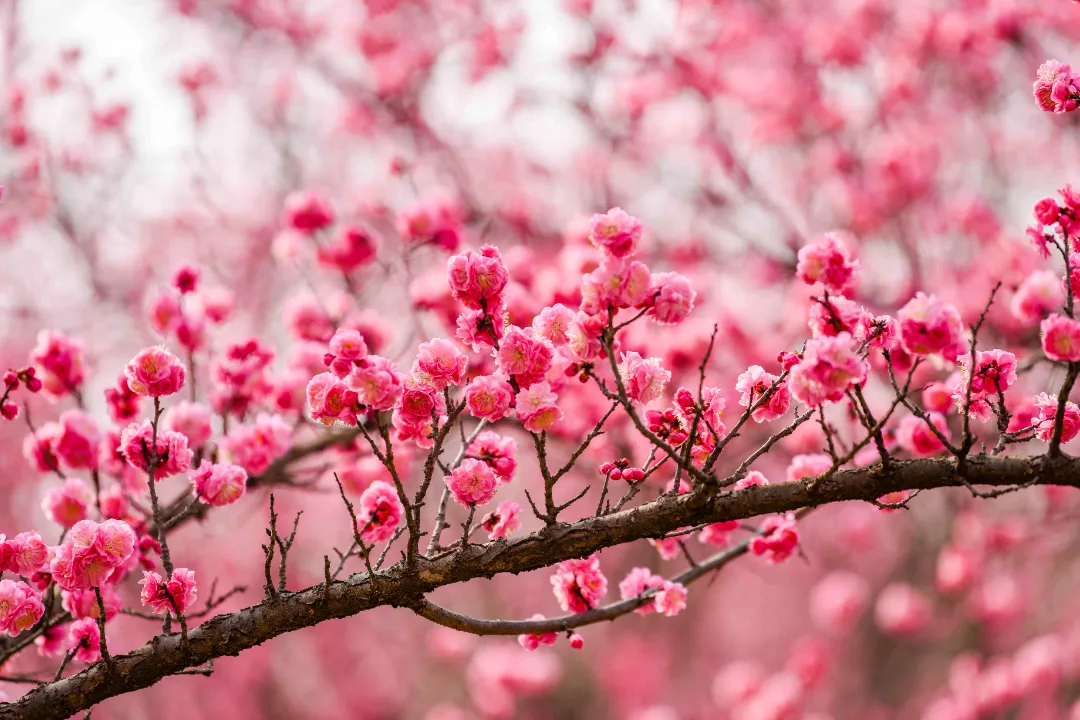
(580,370)
(620,470)
(667,425)
(12,379)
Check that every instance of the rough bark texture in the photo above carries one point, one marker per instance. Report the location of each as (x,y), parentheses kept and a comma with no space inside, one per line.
(404,587)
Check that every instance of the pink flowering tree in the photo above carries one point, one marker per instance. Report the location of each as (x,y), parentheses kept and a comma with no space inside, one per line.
(717,359)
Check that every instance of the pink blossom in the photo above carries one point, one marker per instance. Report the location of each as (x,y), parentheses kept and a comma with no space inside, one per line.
(638,582)
(69,503)
(477,280)
(174,596)
(1039,293)
(617,232)
(643,379)
(505,520)
(537,409)
(497,451)
(579,585)
(777,540)
(1061,338)
(123,405)
(877,331)
(482,329)
(61,358)
(834,315)
(380,512)
(377,384)
(808,466)
(24,554)
(472,483)
(553,324)
(39,448)
(155,372)
(838,600)
(829,367)
(173,456)
(20,607)
(1047,406)
(84,638)
(753,384)
(350,248)
(192,420)
(330,400)
(532,642)
(929,326)
(826,260)
(307,211)
(488,397)
(1056,88)
(902,610)
(432,220)
(914,434)
(671,298)
(957,567)
(615,284)
(91,553)
(671,599)
(219,484)
(254,446)
(937,397)
(757,479)
(76,447)
(347,348)
(524,355)
(83,603)
(52,642)
(440,363)
(718,533)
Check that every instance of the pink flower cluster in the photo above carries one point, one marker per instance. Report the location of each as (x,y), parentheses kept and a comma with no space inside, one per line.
(497,451)
(1047,406)
(579,584)
(62,360)
(489,397)
(537,408)
(472,483)
(929,326)
(155,372)
(440,364)
(829,366)
(1057,87)
(1061,338)
(667,598)
(254,446)
(219,484)
(168,453)
(503,521)
(380,512)
(994,373)
(778,538)
(643,379)
(92,553)
(826,261)
(174,596)
(753,384)
(24,554)
(20,607)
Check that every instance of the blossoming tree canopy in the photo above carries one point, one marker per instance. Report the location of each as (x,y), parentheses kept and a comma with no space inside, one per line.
(743,388)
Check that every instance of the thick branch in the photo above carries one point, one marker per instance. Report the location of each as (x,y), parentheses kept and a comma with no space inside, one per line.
(233,633)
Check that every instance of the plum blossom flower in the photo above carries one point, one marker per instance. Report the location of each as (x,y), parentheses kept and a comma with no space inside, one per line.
(1056,88)
(579,584)
(192,420)
(643,379)
(671,298)
(472,483)
(671,599)
(536,407)
(553,324)
(330,400)
(155,372)
(753,384)
(829,366)
(615,284)
(532,642)
(902,610)
(219,484)
(638,582)
(307,211)
(497,451)
(826,260)
(914,434)
(69,503)
(503,521)
(380,512)
(254,446)
(617,232)
(84,638)
(173,596)
(1047,406)
(928,326)
(524,355)
(20,607)
(171,451)
(777,540)
(62,360)
(377,383)
(440,363)
(1061,338)
(477,280)
(489,397)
